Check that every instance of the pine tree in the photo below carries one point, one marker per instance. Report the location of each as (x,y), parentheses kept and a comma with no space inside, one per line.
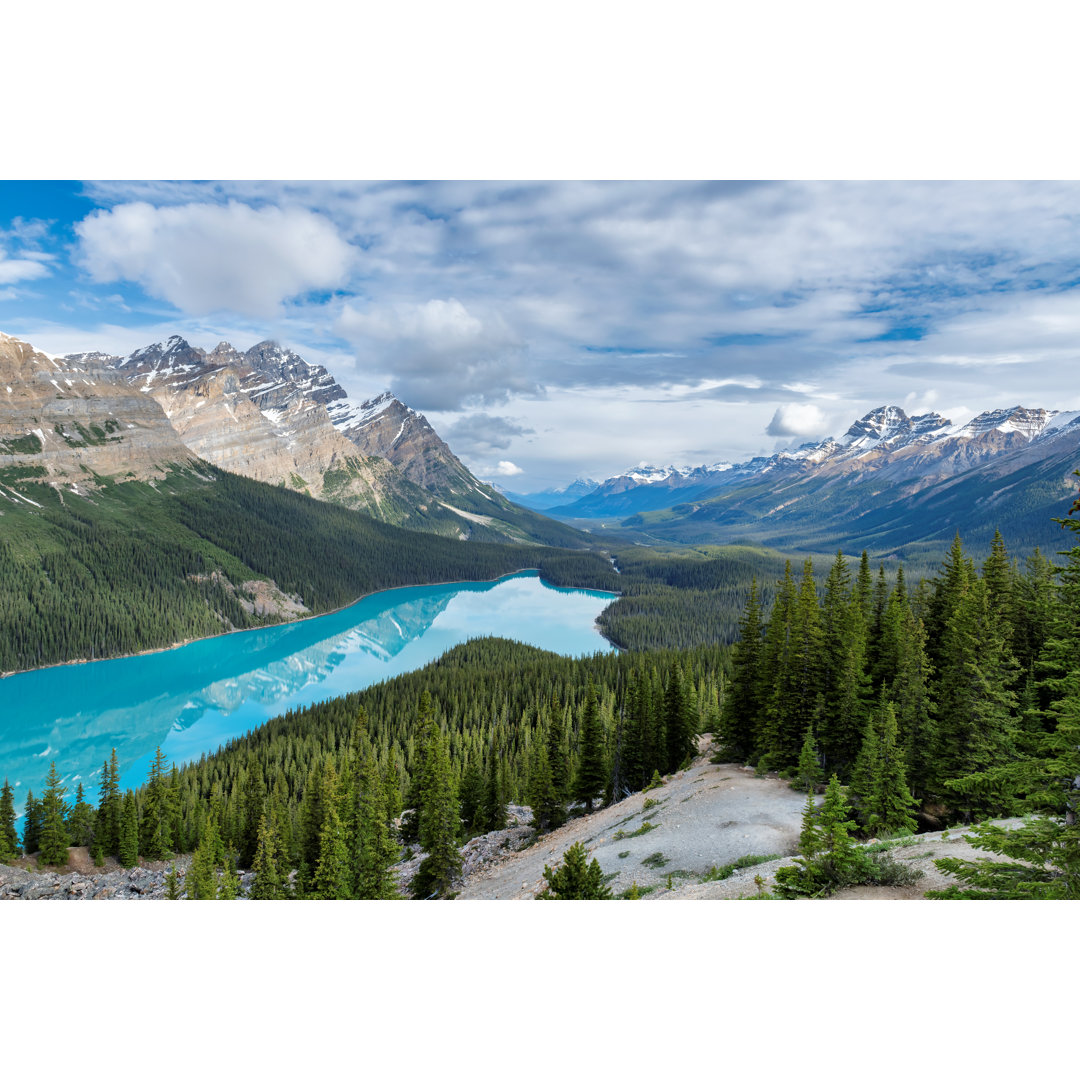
(742,708)
(680,721)
(810,837)
(333,871)
(32,821)
(864,590)
(559,762)
(541,791)
(886,802)
(9,838)
(229,882)
(494,803)
(80,820)
(794,701)
(1044,852)
(977,710)
(809,771)
(775,661)
(154,838)
(472,795)
(201,880)
(268,877)
(108,818)
(376,851)
(54,835)
(172,884)
(591,775)
(128,852)
(439,821)
(829,858)
(914,711)
(576,878)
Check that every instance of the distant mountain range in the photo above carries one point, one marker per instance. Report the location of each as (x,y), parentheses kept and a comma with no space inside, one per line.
(891,482)
(265,413)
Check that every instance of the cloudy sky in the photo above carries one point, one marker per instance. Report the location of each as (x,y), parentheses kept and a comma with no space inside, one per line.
(550,330)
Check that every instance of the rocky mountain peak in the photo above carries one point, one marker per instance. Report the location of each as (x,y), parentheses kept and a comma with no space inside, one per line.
(1018,419)
(312,380)
(224,353)
(173,353)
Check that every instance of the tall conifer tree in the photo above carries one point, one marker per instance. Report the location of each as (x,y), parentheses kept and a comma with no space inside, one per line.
(54,835)
(591,774)
(9,838)
(742,708)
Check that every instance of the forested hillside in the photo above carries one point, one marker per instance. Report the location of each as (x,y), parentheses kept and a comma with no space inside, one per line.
(953,699)
(140,566)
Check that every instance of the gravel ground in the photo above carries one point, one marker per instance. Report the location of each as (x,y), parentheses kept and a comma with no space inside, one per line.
(707,816)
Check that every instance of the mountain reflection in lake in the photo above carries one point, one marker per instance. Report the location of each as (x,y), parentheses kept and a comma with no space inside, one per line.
(191,699)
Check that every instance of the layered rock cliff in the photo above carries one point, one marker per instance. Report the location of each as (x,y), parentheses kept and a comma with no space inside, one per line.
(67,420)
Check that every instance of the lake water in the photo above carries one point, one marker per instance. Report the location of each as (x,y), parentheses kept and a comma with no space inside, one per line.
(191,699)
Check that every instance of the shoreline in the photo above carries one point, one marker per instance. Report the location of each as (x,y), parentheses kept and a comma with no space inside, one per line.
(311,615)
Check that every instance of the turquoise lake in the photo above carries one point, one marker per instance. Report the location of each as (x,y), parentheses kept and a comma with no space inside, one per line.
(191,699)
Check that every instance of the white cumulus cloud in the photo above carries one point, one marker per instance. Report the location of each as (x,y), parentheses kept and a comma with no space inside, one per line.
(203,257)
(504,468)
(797,419)
(439,354)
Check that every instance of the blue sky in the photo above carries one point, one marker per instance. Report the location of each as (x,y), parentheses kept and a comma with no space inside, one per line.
(555,329)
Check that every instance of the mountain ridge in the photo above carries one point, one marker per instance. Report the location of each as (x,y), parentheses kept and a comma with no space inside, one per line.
(906,474)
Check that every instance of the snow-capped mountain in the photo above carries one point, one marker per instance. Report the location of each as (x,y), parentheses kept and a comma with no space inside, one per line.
(879,468)
(269,414)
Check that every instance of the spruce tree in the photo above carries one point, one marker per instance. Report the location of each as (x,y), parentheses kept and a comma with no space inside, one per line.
(886,803)
(797,671)
(154,838)
(80,820)
(742,708)
(439,821)
(494,802)
(128,852)
(268,876)
(576,878)
(201,880)
(333,871)
(541,790)
(229,882)
(54,835)
(591,774)
(472,795)
(809,770)
(376,851)
(9,838)
(32,821)
(108,818)
(559,762)
(1043,854)
(977,710)
(830,858)
(172,884)
(680,721)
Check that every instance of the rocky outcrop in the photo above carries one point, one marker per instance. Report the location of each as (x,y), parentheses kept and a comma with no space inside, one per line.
(66,420)
(389,429)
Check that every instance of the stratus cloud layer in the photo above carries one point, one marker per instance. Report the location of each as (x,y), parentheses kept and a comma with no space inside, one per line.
(708,319)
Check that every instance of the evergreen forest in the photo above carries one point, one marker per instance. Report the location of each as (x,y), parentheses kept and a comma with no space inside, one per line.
(913,705)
